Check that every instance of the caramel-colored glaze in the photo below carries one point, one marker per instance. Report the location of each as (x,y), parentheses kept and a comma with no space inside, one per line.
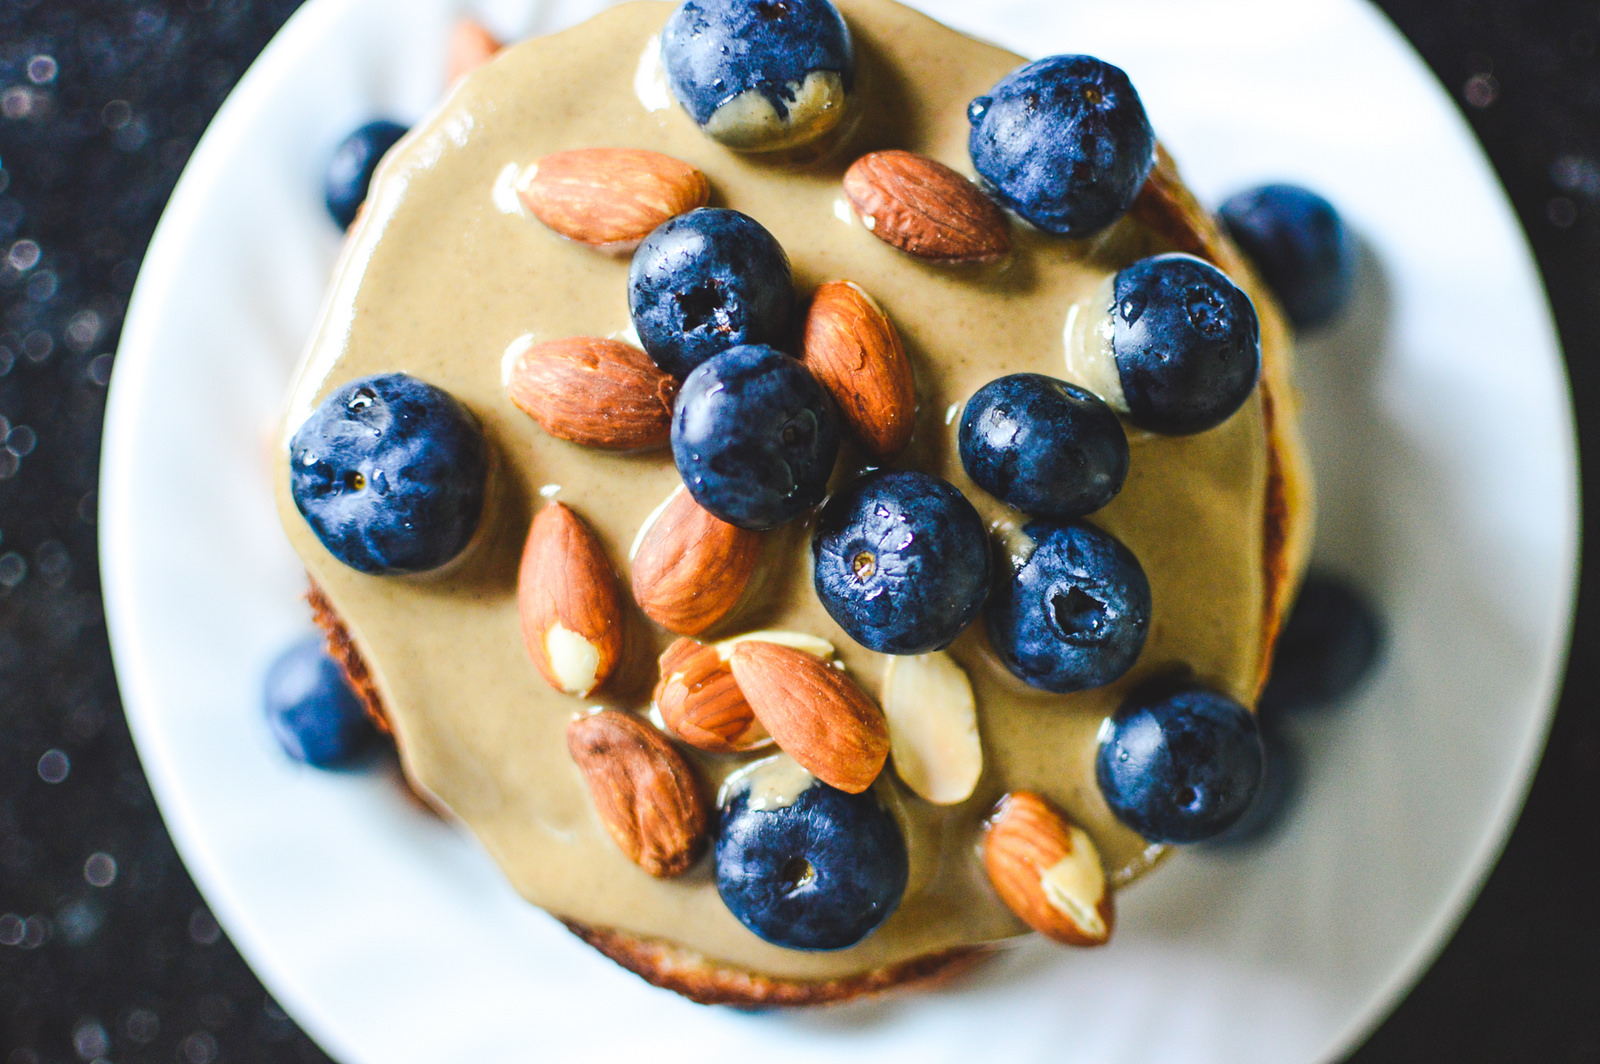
(442,276)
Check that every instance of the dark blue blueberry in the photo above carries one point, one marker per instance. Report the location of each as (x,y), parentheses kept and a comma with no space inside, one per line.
(706,281)
(1049,448)
(819,873)
(1074,615)
(717,50)
(1179,765)
(1064,142)
(1299,245)
(754,437)
(1327,645)
(1187,344)
(389,473)
(311,709)
(901,561)
(350,172)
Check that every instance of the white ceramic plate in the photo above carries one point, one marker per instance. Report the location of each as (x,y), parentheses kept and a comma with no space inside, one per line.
(1441,427)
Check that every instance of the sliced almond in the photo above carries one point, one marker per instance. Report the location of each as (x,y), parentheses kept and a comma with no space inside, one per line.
(471,46)
(610,197)
(924,208)
(1047,871)
(647,793)
(816,714)
(700,701)
(570,606)
(690,568)
(933,726)
(593,391)
(852,347)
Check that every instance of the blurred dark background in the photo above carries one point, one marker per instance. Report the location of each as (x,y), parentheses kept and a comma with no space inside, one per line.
(107,953)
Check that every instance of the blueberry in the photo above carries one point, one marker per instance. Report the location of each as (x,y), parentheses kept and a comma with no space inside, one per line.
(818,873)
(1179,765)
(1049,448)
(389,472)
(350,171)
(754,437)
(706,281)
(1299,245)
(759,75)
(1187,344)
(901,561)
(1064,142)
(1327,645)
(1074,614)
(311,709)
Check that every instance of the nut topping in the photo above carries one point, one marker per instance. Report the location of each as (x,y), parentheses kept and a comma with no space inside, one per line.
(568,599)
(700,702)
(600,393)
(646,792)
(471,46)
(691,568)
(852,347)
(610,198)
(1047,871)
(924,208)
(933,726)
(816,714)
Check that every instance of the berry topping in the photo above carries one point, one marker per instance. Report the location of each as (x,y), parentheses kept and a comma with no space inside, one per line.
(706,281)
(1179,766)
(901,561)
(312,711)
(1064,142)
(1300,246)
(1326,646)
(350,171)
(754,437)
(1073,614)
(389,472)
(1186,342)
(1049,448)
(759,75)
(804,865)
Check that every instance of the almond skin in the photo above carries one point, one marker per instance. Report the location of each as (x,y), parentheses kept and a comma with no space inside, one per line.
(692,568)
(471,46)
(647,793)
(600,393)
(924,208)
(816,714)
(610,198)
(1030,850)
(568,599)
(852,347)
(700,701)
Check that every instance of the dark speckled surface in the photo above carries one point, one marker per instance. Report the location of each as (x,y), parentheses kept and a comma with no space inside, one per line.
(106,950)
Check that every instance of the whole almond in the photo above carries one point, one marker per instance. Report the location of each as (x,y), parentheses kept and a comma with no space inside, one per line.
(647,793)
(691,568)
(471,46)
(815,713)
(568,599)
(700,701)
(924,208)
(600,393)
(610,197)
(1047,871)
(852,347)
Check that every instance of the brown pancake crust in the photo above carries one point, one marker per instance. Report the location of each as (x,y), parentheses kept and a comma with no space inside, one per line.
(1166,207)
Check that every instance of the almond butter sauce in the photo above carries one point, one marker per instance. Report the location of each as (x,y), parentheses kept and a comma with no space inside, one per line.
(443,275)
